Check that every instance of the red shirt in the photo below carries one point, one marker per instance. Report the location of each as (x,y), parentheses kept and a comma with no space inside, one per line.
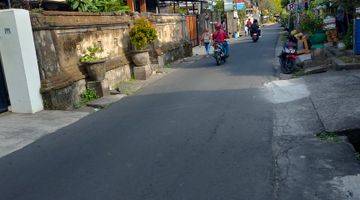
(248,24)
(219,36)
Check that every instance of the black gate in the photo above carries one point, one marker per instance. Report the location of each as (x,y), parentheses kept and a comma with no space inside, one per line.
(4,97)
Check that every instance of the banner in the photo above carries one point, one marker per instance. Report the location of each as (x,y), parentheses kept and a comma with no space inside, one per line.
(240,6)
(228,5)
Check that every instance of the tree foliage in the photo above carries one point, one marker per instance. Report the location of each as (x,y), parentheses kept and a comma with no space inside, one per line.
(271,7)
(284,3)
(219,6)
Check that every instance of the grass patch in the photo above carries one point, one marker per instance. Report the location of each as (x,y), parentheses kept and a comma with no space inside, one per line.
(357,156)
(283,38)
(87,96)
(127,87)
(37,10)
(349,59)
(167,66)
(328,137)
(298,73)
(128,91)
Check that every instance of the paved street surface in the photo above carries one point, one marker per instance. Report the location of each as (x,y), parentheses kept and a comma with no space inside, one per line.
(201,133)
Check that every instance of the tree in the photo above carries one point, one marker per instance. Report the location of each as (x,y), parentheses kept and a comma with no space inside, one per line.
(278,6)
(269,7)
(219,6)
(219,9)
(284,3)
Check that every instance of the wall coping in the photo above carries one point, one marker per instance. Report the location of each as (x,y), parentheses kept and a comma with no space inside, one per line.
(66,20)
(72,13)
(49,20)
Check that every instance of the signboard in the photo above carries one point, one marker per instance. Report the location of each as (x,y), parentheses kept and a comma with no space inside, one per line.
(240,6)
(228,5)
(329,23)
(211,7)
(291,6)
(236,16)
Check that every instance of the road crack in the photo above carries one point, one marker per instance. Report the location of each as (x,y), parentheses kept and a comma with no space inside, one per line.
(215,130)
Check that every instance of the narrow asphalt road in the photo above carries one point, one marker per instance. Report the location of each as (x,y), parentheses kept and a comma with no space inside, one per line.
(201,133)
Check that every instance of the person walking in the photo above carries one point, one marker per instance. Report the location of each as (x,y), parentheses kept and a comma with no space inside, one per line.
(247,27)
(246,30)
(206,39)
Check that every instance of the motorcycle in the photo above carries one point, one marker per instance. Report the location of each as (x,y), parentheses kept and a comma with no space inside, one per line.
(255,37)
(288,58)
(219,54)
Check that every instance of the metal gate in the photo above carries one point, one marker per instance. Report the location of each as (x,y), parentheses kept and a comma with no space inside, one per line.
(191,23)
(4,97)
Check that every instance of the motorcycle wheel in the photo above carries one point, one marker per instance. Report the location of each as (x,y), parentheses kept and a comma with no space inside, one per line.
(283,66)
(291,66)
(218,60)
(287,66)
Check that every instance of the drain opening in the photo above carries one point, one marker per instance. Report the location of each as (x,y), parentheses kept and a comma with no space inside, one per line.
(354,138)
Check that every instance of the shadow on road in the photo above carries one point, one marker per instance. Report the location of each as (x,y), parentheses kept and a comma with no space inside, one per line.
(180,145)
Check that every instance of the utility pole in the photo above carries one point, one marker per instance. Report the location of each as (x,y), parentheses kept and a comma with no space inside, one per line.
(297,14)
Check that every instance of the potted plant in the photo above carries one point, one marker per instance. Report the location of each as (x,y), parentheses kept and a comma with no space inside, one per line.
(142,33)
(93,63)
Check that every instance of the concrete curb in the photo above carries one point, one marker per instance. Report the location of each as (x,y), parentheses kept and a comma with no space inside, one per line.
(341,65)
(278,50)
(105,101)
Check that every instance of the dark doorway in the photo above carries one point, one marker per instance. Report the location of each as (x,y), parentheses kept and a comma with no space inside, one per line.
(4,97)
(151,5)
(137,5)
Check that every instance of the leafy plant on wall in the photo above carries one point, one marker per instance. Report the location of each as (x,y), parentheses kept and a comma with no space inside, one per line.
(91,54)
(98,5)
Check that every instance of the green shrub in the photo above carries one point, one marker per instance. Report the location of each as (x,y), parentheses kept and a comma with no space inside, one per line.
(284,18)
(88,95)
(311,23)
(182,11)
(348,38)
(98,5)
(91,54)
(142,34)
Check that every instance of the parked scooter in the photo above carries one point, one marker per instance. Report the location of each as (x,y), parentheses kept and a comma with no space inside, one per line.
(219,53)
(288,58)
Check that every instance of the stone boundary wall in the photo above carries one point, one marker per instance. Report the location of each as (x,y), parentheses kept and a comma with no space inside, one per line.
(62,37)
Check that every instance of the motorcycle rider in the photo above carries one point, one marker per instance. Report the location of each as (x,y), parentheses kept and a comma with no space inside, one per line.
(255,28)
(220,36)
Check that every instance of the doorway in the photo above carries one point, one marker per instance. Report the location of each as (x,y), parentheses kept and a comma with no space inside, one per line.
(4,96)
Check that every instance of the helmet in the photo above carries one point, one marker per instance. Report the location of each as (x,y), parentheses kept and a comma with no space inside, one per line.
(294,32)
(217,26)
